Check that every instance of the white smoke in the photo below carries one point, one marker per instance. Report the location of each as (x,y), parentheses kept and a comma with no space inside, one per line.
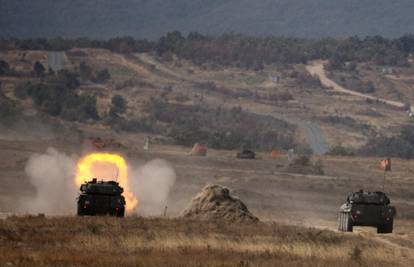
(52,176)
(152,183)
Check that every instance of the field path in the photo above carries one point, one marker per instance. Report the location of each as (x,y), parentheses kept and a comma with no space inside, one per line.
(56,60)
(317,68)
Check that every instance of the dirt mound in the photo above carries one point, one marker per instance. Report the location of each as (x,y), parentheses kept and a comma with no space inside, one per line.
(214,202)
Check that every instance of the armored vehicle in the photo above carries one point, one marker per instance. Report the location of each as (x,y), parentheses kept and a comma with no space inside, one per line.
(367,209)
(101,198)
(246,154)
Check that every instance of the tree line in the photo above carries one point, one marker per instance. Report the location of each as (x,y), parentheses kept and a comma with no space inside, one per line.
(240,50)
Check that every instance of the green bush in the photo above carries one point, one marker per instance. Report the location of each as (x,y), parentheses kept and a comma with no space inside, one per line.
(401,145)
(4,67)
(339,150)
(118,106)
(220,128)
(56,96)
(8,110)
(102,76)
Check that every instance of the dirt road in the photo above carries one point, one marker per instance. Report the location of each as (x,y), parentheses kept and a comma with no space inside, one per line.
(56,60)
(317,68)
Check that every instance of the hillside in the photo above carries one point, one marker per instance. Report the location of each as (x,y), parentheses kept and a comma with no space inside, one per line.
(151,19)
(224,107)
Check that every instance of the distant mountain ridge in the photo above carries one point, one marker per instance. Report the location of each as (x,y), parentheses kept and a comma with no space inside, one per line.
(153,18)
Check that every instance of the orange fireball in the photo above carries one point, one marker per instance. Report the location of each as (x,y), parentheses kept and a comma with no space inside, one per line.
(106,166)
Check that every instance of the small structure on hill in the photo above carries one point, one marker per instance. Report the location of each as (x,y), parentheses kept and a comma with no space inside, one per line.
(214,202)
(198,150)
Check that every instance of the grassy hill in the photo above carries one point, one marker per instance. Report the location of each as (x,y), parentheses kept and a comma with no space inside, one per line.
(143,18)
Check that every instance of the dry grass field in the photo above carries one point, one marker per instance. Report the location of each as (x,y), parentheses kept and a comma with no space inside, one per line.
(135,241)
(298,211)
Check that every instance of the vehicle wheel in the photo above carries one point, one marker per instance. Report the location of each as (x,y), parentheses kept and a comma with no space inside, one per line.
(121,213)
(386,228)
(80,211)
(349,227)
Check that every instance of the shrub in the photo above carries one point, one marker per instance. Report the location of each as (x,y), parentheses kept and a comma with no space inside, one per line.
(8,110)
(56,96)
(339,150)
(118,106)
(38,68)
(401,145)
(102,76)
(20,91)
(4,67)
(220,128)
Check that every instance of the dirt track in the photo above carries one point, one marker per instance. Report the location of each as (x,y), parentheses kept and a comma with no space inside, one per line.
(317,68)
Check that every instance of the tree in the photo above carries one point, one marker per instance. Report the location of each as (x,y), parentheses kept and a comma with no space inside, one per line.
(38,68)
(4,67)
(8,110)
(171,42)
(102,76)
(118,106)
(85,71)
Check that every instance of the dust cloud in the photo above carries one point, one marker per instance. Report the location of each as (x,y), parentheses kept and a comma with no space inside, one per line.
(152,183)
(52,175)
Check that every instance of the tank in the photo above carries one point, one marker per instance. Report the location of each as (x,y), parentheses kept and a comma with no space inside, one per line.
(101,198)
(246,154)
(364,208)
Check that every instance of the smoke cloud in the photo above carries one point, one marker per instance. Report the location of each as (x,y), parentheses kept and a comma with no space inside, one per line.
(152,183)
(52,175)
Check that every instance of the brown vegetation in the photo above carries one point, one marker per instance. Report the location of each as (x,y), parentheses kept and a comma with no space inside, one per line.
(134,241)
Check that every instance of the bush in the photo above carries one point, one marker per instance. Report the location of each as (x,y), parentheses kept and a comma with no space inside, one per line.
(56,96)
(4,67)
(20,91)
(401,146)
(8,110)
(220,128)
(118,106)
(102,76)
(38,68)
(85,72)
(339,150)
